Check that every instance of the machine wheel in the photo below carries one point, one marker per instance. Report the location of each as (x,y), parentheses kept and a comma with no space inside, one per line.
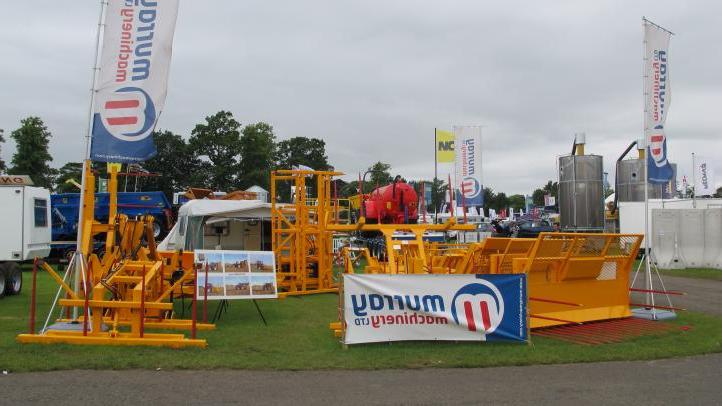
(13,278)
(2,281)
(68,254)
(157,229)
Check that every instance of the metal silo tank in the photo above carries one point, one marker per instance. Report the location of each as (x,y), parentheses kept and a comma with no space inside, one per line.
(631,181)
(581,193)
(630,184)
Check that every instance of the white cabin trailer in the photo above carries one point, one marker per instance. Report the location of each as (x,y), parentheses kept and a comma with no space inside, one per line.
(24,228)
(25,222)
(221,224)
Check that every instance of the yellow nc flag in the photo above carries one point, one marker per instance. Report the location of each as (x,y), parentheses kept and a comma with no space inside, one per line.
(114,166)
(444,146)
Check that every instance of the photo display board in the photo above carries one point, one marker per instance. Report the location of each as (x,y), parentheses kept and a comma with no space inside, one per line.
(236,274)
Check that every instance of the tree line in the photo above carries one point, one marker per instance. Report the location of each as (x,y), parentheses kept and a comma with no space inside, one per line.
(220,154)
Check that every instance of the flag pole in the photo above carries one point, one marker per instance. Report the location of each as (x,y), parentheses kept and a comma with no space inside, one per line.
(647,270)
(436,175)
(694,183)
(86,150)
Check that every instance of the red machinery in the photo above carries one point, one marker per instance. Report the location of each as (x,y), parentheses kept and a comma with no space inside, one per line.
(395,203)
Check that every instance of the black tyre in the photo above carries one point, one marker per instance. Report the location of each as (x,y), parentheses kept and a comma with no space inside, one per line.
(68,254)
(13,278)
(2,281)
(157,229)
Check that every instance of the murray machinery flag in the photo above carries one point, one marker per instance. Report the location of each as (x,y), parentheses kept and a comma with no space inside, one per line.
(133,78)
(657,100)
(468,165)
(704,178)
(382,308)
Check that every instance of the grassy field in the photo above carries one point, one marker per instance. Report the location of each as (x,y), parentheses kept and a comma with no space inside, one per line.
(297,337)
(700,273)
(697,273)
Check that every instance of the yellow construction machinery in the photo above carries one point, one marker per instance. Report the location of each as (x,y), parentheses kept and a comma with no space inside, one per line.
(124,291)
(303,232)
(572,277)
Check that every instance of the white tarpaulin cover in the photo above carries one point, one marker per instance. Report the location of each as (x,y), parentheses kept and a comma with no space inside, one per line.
(208,209)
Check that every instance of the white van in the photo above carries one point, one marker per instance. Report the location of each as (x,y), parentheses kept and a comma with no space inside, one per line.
(25,228)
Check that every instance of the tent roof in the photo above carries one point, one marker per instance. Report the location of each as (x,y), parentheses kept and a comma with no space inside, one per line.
(226,208)
(256,188)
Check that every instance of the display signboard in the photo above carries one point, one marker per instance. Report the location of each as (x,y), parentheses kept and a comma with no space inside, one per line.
(132,78)
(381,308)
(236,274)
(467,146)
(16,180)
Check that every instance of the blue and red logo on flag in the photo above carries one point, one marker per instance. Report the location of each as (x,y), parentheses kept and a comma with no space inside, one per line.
(660,170)
(122,127)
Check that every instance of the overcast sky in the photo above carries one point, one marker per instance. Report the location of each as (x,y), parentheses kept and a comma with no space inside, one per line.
(374,78)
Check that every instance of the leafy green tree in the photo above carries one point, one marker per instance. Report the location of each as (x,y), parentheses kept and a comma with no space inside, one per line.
(551,188)
(537,197)
(439,194)
(32,157)
(71,171)
(488,198)
(2,163)
(295,151)
(257,149)
(175,162)
(217,145)
(517,201)
(309,152)
(719,192)
(378,174)
(499,201)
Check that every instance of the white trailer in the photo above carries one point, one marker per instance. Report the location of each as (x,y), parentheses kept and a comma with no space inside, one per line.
(631,214)
(25,229)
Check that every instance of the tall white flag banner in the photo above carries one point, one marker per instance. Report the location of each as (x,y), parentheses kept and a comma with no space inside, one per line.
(467,171)
(704,178)
(133,78)
(657,100)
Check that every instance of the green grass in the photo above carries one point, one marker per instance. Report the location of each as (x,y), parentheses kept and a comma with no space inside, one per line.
(298,337)
(698,273)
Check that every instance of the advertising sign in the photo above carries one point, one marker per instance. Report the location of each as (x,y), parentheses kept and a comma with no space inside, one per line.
(133,78)
(16,180)
(468,165)
(380,308)
(704,182)
(444,146)
(236,274)
(657,95)
(549,200)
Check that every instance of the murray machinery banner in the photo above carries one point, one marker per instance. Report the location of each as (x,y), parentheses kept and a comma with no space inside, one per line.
(133,78)
(468,166)
(657,100)
(381,308)
(704,178)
